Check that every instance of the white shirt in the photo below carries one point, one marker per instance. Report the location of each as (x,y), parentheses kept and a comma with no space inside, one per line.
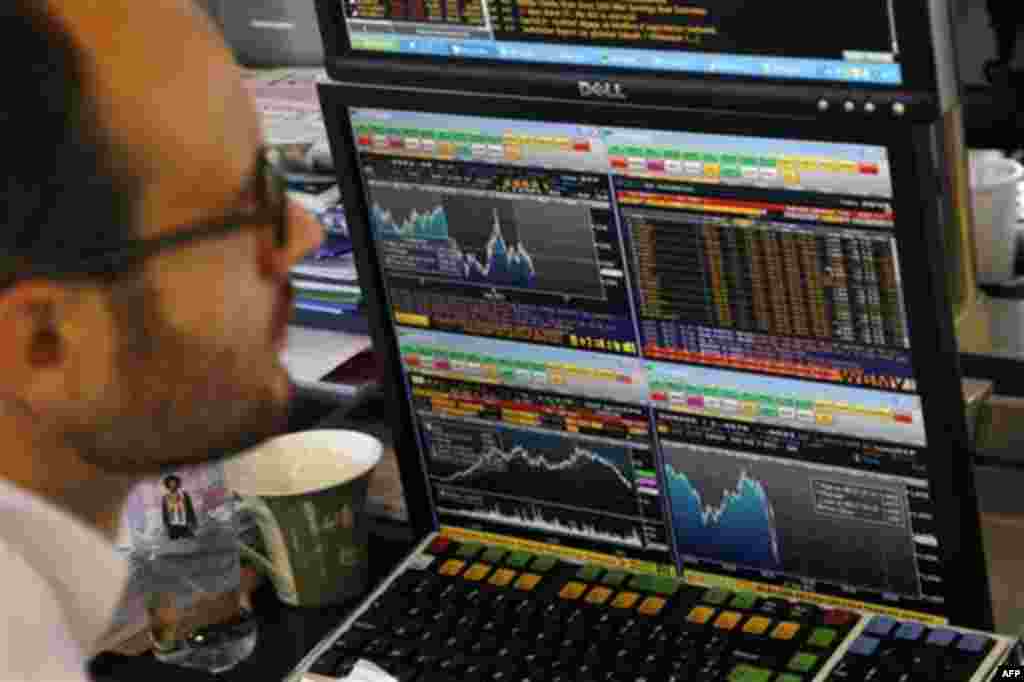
(61,581)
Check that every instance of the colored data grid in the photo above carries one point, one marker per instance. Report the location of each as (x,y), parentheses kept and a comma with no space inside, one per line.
(758,209)
(697,164)
(685,397)
(525,414)
(497,368)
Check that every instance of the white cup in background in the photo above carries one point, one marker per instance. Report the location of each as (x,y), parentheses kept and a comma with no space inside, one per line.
(994,191)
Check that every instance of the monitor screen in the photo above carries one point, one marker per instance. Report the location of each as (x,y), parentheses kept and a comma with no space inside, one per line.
(844,42)
(687,349)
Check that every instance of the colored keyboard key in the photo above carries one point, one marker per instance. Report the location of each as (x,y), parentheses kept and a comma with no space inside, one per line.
(452,567)
(910,632)
(614,578)
(439,545)
(527,581)
(589,573)
(477,572)
(572,590)
(972,643)
(700,615)
(802,662)
(503,577)
(625,600)
(543,564)
(716,596)
(839,617)
(881,626)
(785,631)
(865,645)
(727,620)
(518,559)
(749,673)
(665,585)
(822,638)
(757,625)
(651,606)
(469,550)
(598,595)
(941,637)
(743,600)
(494,555)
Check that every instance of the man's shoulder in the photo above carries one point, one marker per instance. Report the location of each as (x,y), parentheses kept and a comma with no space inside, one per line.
(35,641)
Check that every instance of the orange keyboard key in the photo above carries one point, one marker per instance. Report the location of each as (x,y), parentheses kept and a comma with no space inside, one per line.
(651,606)
(727,620)
(758,625)
(477,572)
(572,590)
(625,600)
(527,581)
(785,630)
(502,577)
(451,567)
(598,595)
(700,615)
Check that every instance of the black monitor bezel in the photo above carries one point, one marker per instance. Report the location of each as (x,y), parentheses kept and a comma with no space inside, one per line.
(920,67)
(934,349)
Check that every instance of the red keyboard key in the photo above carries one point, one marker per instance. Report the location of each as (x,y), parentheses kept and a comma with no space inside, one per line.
(439,545)
(838,617)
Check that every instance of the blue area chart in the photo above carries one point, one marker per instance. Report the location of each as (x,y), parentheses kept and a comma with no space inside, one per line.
(500,265)
(739,528)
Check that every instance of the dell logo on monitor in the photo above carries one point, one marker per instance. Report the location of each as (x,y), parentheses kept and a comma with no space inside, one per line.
(603,89)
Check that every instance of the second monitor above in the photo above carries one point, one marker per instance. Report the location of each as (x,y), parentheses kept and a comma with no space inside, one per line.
(853,58)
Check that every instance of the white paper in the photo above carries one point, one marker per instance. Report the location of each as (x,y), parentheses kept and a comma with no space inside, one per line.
(314,353)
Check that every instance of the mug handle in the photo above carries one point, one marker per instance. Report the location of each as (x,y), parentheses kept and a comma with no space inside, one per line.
(264,516)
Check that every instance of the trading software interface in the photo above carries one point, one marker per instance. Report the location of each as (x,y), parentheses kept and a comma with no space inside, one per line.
(687,350)
(846,42)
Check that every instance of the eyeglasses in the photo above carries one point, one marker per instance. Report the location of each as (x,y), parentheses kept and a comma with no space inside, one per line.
(273,210)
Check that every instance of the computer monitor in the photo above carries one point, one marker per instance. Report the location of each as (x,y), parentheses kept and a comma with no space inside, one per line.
(642,51)
(719,344)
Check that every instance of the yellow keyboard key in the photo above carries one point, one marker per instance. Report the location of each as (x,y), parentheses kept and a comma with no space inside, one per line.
(625,600)
(598,595)
(572,590)
(758,625)
(785,630)
(527,581)
(651,606)
(451,567)
(700,615)
(727,620)
(502,577)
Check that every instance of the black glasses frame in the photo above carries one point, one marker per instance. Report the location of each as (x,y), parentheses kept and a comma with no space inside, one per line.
(129,254)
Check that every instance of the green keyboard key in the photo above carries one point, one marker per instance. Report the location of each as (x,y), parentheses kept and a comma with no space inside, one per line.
(716,596)
(642,582)
(469,550)
(749,673)
(543,563)
(589,573)
(614,578)
(493,555)
(789,677)
(802,662)
(665,585)
(518,559)
(743,600)
(822,637)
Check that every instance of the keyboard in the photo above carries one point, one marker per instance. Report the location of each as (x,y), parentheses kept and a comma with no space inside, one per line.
(469,612)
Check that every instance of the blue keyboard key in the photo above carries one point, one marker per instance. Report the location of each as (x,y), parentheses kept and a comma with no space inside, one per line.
(910,631)
(974,644)
(881,626)
(941,637)
(864,646)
